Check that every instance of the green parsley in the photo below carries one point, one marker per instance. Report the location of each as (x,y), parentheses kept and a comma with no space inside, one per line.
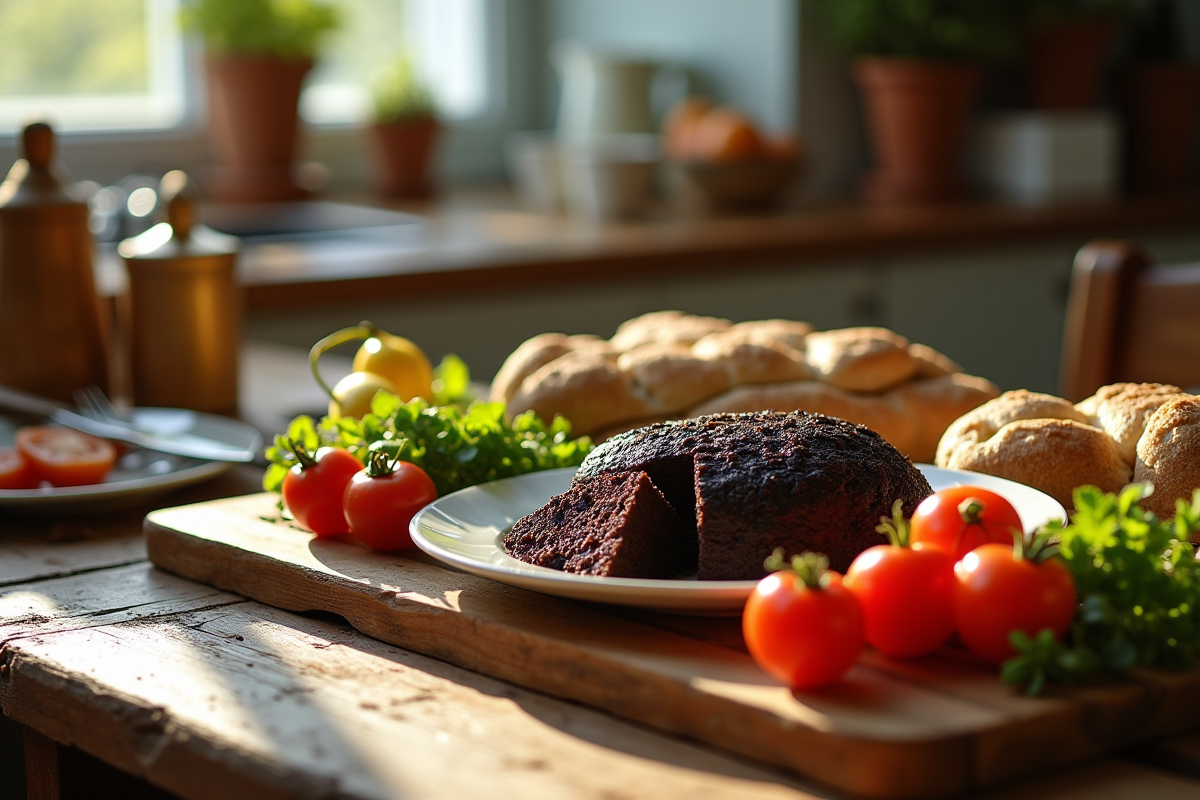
(457,446)
(1138,583)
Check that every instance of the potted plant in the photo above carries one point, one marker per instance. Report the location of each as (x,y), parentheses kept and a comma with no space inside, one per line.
(258,53)
(918,64)
(1066,43)
(403,131)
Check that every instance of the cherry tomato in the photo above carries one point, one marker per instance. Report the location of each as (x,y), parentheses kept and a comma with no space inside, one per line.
(314,488)
(64,457)
(803,626)
(959,519)
(381,501)
(14,470)
(998,590)
(907,598)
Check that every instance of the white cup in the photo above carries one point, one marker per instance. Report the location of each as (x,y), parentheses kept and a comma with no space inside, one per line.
(610,177)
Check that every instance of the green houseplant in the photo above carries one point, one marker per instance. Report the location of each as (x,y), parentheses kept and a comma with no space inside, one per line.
(404,131)
(258,53)
(1066,42)
(918,64)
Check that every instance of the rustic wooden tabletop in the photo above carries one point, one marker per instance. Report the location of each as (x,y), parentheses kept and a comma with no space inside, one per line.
(204,693)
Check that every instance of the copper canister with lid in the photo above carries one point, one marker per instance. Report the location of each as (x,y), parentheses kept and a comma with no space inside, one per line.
(53,330)
(182,312)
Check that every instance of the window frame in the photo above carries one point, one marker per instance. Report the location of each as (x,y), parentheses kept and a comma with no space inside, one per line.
(109,155)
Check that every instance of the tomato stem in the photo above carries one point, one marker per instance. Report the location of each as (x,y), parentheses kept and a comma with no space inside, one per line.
(897,528)
(809,567)
(971,511)
(305,458)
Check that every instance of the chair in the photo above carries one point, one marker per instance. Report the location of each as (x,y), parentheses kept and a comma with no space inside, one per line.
(1129,320)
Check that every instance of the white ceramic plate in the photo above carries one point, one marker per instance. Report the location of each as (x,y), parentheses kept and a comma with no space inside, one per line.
(466,529)
(139,475)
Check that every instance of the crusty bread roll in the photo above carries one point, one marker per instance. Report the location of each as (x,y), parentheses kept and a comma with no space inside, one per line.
(1054,446)
(772,331)
(931,363)
(982,423)
(1168,454)
(669,365)
(669,377)
(860,359)
(748,361)
(664,327)
(1121,410)
(1053,455)
(535,353)
(584,386)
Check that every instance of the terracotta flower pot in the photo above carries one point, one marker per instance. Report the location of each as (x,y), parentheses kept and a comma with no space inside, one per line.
(1162,119)
(917,113)
(252,127)
(1065,62)
(404,155)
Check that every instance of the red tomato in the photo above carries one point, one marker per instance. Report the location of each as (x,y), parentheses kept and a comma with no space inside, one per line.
(999,591)
(380,506)
(14,470)
(314,488)
(65,457)
(950,521)
(806,636)
(907,598)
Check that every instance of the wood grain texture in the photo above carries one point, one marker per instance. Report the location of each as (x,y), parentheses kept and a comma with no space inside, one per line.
(929,727)
(237,700)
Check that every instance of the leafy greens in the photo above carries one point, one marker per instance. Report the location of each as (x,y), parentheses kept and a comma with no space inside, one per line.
(1138,583)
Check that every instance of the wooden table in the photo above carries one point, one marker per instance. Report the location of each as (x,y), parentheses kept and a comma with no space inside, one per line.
(207,694)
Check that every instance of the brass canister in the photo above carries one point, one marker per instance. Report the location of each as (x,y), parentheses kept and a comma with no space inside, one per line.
(182,315)
(53,333)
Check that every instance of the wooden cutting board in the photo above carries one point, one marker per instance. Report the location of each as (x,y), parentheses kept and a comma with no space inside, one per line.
(929,727)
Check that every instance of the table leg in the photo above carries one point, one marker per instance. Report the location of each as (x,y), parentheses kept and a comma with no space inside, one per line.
(41,766)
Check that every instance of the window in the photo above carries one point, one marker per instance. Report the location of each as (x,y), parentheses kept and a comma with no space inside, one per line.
(446,39)
(121,65)
(88,65)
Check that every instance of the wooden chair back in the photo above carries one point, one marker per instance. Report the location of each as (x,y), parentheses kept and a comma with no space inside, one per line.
(1129,320)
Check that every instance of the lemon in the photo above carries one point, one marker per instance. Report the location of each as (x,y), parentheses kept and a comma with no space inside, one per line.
(353,394)
(399,361)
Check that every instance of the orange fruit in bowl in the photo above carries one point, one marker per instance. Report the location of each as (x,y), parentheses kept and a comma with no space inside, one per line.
(726,134)
(781,148)
(679,127)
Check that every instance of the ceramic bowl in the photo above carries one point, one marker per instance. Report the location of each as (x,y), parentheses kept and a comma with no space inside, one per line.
(730,185)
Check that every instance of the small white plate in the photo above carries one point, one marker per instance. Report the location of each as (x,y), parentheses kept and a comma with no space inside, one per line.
(139,475)
(466,529)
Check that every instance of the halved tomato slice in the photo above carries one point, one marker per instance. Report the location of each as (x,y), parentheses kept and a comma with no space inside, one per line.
(14,470)
(65,457)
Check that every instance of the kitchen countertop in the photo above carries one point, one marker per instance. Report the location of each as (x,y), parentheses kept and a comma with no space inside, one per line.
(485,237)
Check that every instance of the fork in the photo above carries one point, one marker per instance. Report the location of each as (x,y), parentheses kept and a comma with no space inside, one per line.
(94,403)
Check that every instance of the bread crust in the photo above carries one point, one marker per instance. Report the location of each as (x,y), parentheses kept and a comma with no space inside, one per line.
(585,387)
(860,359)
(664,327)
(1053,455)
(669,377)
(981,424)
(1168,454)
(1121,409)
(756,365)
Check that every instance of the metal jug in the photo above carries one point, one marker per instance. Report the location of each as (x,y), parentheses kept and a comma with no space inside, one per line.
(53,334)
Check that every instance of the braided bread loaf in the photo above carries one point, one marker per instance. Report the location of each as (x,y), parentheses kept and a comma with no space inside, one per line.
(671,365)
(1126,431)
